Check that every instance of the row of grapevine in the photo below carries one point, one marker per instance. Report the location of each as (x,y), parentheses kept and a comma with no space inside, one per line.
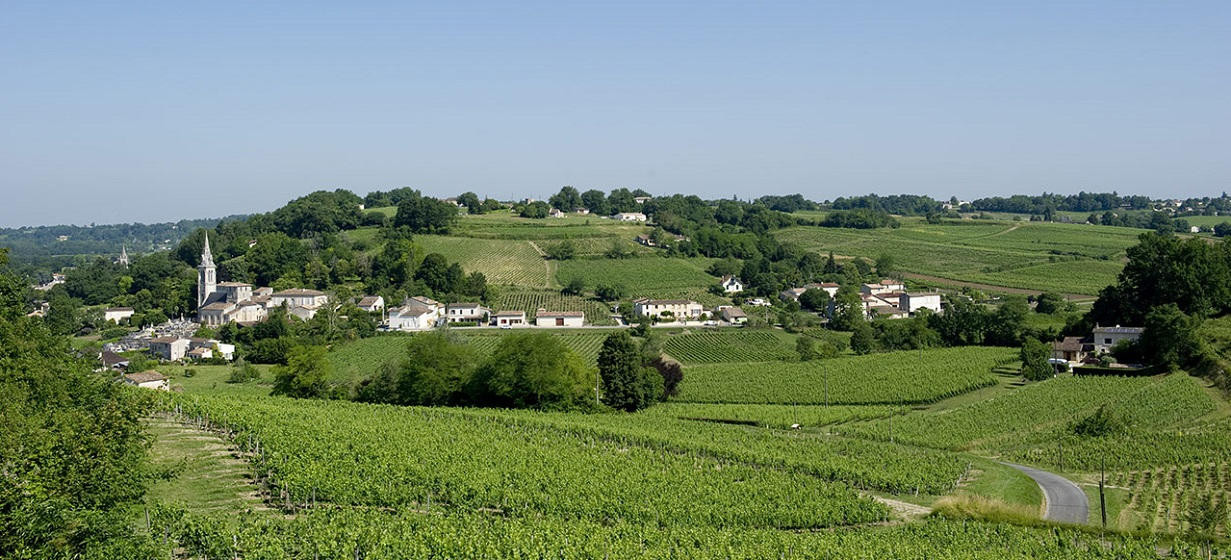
(731,345)
(775,415)
(888,378)
(1164,497)
(585,343)
(529,301)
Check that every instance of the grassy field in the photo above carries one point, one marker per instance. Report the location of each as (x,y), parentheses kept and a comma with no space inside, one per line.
(890,378)
(203,473)
(1070,258)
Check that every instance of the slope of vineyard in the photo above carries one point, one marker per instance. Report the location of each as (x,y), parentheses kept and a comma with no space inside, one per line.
(1162,497)
(652,276)
(420,458)
(889,378)
(502,261)
(731,345)
(585,343)
(517,299)
(774,415)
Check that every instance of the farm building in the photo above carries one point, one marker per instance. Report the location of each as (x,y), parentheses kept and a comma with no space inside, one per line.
(679,308)
(510,318)
(734,315)
(169,348)
(792,294)
(1106,338)
(629,217)
(646,240)
(1073,349)
(371,304)
(301,303)
(885,286)
(147,380)
(416,314)
(731,284)
(545,318)
(913,302)
(117,314)
(111,360)
(467,313)
(556,213)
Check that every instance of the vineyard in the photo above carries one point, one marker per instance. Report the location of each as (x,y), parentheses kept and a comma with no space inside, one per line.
(585,343)
(774,415)
(409,459)
(889,378)
(731,345)
(357,359)
(501,261)
(597,313)
(1163,497)
(653,276)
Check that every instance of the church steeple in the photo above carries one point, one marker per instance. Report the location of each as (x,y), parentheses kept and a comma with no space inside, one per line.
(207,275)
(123,256)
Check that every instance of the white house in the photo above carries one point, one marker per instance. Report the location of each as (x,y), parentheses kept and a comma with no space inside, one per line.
(678,308)
(913,302)
(117,314)
(642,199)
(212,349)
(1106,338)
(794,293)
(556,213)
(371,304)
(467,313)
(147,380)
(308,301)
(731,284)
(629,217)
(510,319)
(885,286)
(416,314)
(169,348)
(545,318)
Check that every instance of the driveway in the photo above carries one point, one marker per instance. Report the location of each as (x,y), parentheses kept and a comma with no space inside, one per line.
(1066,502)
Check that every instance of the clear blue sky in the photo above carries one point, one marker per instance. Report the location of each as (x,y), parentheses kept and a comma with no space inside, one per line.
(161,110)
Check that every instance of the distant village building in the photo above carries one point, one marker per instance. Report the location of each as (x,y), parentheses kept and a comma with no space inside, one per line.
(733,315)
(123,260)
(583,211)
(545,318)
(629,217)
(112,361)
(793,294)
(678,308)
(467,313)
(371,304)
(117,314)
(169,348)
(416,314)
(731,284)
(1072,349)
(510,319)
(556,213)
(1106,338)
(238,302)
(642,199)
(883,287)
(646,240)
(911,303)
(147,380)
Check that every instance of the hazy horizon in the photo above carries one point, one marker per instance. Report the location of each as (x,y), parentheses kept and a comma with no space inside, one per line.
(161,112)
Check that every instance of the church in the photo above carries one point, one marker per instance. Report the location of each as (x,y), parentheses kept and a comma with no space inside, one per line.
(219,303)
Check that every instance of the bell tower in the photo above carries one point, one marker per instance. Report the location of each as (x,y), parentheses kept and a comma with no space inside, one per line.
(207,275)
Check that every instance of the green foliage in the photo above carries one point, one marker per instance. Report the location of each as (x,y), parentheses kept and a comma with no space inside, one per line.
(319,212)
(423,214)
(1171,338)
(471,202)
(863,338)
(243,372)
(730,345)
(574,287)
(814,299)
(1034,355)
(1103,422)
(305,374)
(437,371)
(1164,269)
(536,210)
(534,370)
(626,384)
(561,251)
(1051,302)
(610,292)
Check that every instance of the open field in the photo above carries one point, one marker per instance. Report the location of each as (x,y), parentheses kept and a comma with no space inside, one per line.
(652,276)
(889,378)
(1069,258)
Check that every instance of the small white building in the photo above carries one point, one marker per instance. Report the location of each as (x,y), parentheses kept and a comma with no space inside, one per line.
(117,314)
(371,304)
(510,318)
(467,313)
(416,314)
(1106,338)
(148,380)
(913,302)
(629,217)
(169,348)
(556,213)
(731,284)
(682,309)
(885,286)
(545,318)
(298,297)
(642,199)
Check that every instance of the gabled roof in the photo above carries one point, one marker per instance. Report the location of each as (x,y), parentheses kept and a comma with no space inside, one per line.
(553,314)
(217,306)
(145,376)
(165,340)
(298,292)
(368,301)
(234,285)
(1119,330)
(465,305)
(511,314)
(110,358)
(666,301)
(733,312)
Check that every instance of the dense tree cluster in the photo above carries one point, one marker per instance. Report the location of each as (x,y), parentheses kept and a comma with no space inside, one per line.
(859,219)
(1161,269)
(1080,202)
(900,204)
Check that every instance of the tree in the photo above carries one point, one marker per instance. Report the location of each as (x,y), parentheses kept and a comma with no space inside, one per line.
(610,292)
(814,299)
(1170,337)
(567,200)
(1034,355)
(471,202)
(575,287)
(243,372)
(885,264)
(626,384)
(672,374)
(422,214)
(596,202)
(436,273)
(622,200)
(848,307)
(1050,302)
(863,340)
(305,373)
(437,371)
(537,210)
(534,370)
(561,251)
(805,346)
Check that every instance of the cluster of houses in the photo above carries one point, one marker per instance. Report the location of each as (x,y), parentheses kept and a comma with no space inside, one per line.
(422,313)
(1078,350)
(885,299)
(219,303)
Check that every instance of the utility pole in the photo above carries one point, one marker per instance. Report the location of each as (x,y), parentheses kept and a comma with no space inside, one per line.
(1102,500)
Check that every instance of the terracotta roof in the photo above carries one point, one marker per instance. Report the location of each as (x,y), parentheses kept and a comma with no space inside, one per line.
(425,300)
(545,313)
(667,301)
(511,314)
(733,312)
(1069,344)
(217,306)
(368,301)
(145,376)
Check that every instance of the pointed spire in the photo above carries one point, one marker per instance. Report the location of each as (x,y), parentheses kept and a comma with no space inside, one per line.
(207,258)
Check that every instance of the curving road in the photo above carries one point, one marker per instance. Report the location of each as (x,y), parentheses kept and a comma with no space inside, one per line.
(1066,502)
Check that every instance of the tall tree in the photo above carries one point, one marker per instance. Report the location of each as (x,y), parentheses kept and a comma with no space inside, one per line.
(305,374)
(626,384)
(567,200)
(422,214)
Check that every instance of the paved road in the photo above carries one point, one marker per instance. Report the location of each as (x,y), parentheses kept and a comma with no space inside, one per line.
(1066,502)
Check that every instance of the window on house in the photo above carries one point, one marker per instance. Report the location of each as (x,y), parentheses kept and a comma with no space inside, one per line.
(1106,341)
